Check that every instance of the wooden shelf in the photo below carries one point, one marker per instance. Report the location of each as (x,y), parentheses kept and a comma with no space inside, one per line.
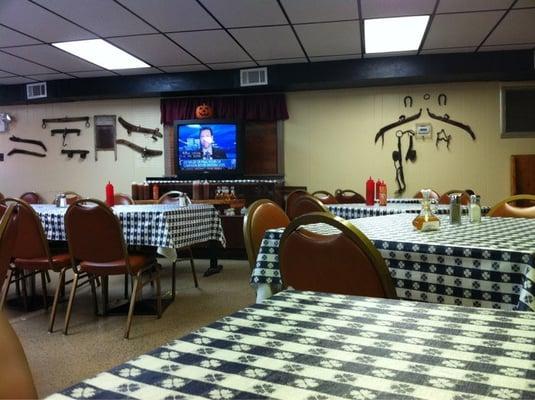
(235,203)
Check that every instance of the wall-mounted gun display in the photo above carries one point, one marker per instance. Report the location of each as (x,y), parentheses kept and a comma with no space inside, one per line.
(141,150)
(13,138)
(64,132)
(442,136)
(155,133)
(66,119)
(27,152)
(446,119)
(70,153)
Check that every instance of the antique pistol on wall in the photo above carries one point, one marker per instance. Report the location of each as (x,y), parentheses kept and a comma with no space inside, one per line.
(70,153)
(64,132)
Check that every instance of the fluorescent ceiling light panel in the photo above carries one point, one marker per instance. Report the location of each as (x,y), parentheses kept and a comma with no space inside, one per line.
(100,52)
(385,35)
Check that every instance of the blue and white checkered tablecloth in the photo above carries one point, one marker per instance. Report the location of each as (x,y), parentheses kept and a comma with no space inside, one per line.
(360,210)
(317,346)
(158,225)
(490,264)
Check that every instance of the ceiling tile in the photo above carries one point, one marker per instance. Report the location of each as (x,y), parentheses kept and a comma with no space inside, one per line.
(211,46)
(507,47)
(50,77)
(524,3)
(516,27)
(472,5)
(234,13)
(105,18)
(269,42)
(4,74)
(16,65)
(35,21)
(335,58)
(185,68)
(390,8)
(233,65)
(154,49)
(297,60)
(302,11)
(470,29)
(9,37)
(138,71)
(52,57)
(92,74)
(172,15)
(15,80)
(331,38)
(449,50)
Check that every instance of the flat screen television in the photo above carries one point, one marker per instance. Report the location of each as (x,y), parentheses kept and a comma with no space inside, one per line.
(208,148)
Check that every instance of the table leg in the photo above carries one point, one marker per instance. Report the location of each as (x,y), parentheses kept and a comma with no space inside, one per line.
(212,251)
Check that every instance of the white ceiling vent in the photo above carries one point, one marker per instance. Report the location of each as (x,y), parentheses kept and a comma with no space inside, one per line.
(253,77)
(36,90)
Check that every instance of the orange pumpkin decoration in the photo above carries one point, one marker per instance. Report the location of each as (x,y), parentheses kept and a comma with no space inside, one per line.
(204,111)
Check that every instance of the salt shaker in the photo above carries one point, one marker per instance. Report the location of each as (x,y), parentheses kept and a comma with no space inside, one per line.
(455,209)
(474,210)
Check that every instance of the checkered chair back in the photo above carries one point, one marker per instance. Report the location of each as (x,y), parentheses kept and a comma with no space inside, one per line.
(343,263)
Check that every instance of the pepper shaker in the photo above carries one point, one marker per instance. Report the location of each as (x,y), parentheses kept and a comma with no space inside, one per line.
(455,209)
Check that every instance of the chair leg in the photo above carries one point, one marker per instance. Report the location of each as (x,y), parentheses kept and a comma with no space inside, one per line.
(17,282)
(69,306)
(45,292)
(158,292)
(133,297)
(105,296)
(6,288)
(57,294)
(173,280)
(93,293)
(24,291)
(47,277)
(126,286)
(192,263)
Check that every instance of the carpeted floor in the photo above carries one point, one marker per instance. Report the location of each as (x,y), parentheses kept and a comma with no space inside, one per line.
(95,344)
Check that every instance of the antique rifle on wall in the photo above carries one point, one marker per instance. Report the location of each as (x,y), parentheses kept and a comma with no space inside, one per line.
(70,153)
(64,132)
(27,152)
(66,119)
(155,133)
(402,120)
(13,138)
(446,119)
(141,150)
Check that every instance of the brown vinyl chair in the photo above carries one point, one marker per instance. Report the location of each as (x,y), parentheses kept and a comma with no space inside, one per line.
(504,209)
(1,196)
(121,199)
(72,197)
(325,197)
(8,232)
(445,198)
(306,204)
(97,248)
(261,215)
(16,380)
(290,200)
(434,195)
(347,196)
(32,198)
(345,262)
(172,197)
(31,255)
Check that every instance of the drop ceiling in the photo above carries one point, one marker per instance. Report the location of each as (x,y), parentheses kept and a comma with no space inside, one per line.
(199,35)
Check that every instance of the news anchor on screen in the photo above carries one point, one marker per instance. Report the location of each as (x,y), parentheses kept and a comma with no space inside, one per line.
(208,151)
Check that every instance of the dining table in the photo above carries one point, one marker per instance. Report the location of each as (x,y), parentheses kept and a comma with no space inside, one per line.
(316,346)
(361,210)
(488,264)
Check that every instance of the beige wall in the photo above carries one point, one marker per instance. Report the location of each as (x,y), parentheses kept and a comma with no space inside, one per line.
(328,143)
(329,140)
(56,172)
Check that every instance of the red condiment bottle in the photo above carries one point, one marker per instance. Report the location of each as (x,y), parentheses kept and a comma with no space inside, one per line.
(109,195)
(377,184)
(370,192)
(382,194)
(155,191)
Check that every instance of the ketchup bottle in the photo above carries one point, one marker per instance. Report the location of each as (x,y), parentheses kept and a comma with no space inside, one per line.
(382,194)
(155,191)
(370,192)
(109,195)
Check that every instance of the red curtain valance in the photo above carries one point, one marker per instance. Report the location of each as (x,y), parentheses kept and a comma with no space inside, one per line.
(269,107)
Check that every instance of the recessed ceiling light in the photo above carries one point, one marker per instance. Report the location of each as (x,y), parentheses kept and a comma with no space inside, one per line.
(385,35)
(101,53)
